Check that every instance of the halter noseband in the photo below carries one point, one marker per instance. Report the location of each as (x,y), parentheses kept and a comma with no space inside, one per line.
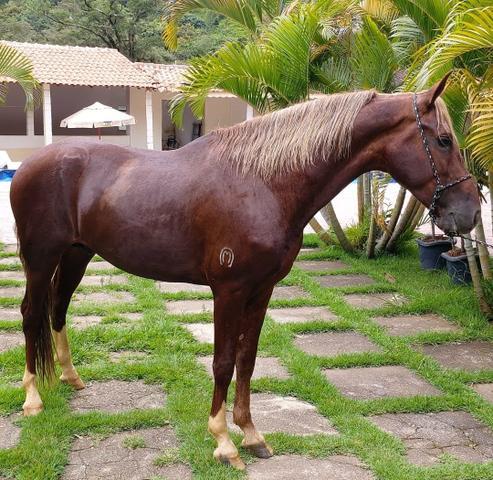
(440,187)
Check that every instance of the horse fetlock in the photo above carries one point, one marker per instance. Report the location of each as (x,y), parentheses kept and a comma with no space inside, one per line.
(227,454)
(72,378)
(32,407)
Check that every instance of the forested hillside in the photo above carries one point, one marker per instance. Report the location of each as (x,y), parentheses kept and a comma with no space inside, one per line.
(134,27)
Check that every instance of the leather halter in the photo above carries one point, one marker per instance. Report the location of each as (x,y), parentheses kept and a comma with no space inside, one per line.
(440,187)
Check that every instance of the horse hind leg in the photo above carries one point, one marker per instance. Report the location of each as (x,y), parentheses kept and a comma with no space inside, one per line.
(68,276)
(35,309)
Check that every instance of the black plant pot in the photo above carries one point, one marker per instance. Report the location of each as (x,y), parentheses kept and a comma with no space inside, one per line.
(458,268)
(430,253)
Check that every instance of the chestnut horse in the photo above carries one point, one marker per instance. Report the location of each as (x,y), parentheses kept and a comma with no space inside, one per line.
(227,210)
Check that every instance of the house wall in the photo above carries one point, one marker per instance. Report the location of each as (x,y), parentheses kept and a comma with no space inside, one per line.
(223,111)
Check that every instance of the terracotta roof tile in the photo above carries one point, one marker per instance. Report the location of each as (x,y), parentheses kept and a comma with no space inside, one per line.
(166,77)
(68,65)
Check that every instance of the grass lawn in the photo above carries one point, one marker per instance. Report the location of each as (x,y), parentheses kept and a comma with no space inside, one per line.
(171,362)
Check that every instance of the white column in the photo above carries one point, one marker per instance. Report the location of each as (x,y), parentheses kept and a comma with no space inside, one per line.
(47,114)
(149,121)
(249,112)
(30,122)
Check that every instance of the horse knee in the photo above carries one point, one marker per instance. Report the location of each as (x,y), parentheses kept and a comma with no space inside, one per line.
(223,371)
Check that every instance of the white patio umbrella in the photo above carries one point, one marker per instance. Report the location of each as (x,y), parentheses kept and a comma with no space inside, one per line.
(97,116)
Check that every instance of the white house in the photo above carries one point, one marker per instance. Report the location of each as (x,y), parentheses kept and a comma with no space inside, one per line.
(75,77)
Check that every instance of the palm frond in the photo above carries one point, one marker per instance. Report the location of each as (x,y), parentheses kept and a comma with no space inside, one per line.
(15,66)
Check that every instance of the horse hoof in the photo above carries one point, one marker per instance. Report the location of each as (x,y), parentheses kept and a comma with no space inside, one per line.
(75,382)
(31,411)
(235,462)
(260,450)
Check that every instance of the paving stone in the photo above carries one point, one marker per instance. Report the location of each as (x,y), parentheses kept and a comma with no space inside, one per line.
(117,396)
(11,314)
(475,355)
(367,383)
(9,432)
(103,297)
(12,292)
(12,275)
(177,287)
(133,316)
(288,293)
(273,413)
(349,280)
(306,250)
(301,314)
(182,307)
(202,332)
(100,266)
(10,261)
(427,436)
(10,340)
(331,344)
(10,248)
(103,280)
(127,356)
(269,367)
(79,322)
(485,390)
(414,324)
(111,458)
(320,265)
(374,300)
(296,467)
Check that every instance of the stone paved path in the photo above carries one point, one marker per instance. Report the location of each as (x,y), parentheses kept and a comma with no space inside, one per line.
(11,314)
(97,266)
(12,292)
(331,344)
(9,432)
(10,248)
(181,307)
(349,280)
(427,436)
(114,458)
(374,300)
(476,355)
(288,293)
(79,322)
(103,280)
(103,298)
(264,367)
(296,467)
(414,324)
(10,261)
(202,332)
(301,314)
(117,396)
(485,390)
(9,340)
(12,275)
(320,265)
(366,383)
(273,413)
(304,251)
(177,287)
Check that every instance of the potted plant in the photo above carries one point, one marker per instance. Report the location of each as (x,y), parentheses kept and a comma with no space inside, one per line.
(431,248)
(457,264)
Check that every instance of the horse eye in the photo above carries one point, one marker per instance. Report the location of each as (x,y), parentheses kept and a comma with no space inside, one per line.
(444,141)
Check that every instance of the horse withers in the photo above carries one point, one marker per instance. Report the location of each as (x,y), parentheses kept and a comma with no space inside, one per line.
(227,210)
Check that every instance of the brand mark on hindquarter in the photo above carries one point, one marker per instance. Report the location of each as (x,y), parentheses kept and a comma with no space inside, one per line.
(226,257)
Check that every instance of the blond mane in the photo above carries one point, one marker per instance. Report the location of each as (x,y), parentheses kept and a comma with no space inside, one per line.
(291,139)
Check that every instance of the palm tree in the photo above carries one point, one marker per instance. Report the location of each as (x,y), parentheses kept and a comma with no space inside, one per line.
(14,66)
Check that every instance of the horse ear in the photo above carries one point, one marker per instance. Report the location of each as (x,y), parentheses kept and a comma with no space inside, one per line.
(434,92)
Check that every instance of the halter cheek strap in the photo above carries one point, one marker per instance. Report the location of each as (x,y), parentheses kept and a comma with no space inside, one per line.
(440,187)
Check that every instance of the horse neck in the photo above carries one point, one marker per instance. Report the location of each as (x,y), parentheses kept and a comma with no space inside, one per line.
(303,194)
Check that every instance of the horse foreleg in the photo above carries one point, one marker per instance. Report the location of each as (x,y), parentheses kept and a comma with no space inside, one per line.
(245,364)
(228,310)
